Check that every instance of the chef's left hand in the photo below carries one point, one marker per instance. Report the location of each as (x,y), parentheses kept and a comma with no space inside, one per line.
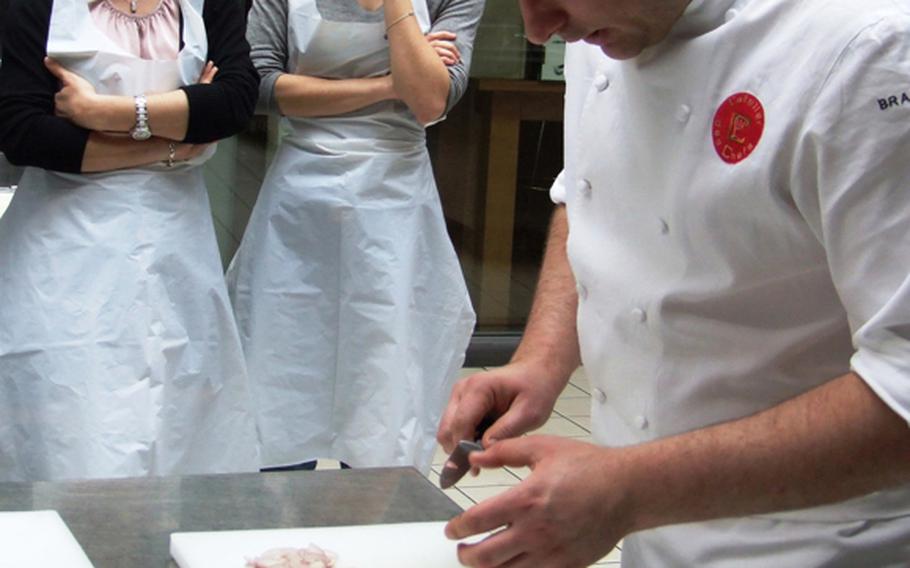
(441,42)
(76,100)
(569,512)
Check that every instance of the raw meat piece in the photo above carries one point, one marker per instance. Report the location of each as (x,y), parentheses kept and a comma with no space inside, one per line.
(309,557)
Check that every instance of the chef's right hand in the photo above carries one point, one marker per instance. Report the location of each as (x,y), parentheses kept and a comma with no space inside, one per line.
(517,396)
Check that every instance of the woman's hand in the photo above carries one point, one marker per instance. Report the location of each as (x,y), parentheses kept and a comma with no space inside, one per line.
(442,43)
(186,152)
(76,100)
(208,73)
(387,84)
(189,151)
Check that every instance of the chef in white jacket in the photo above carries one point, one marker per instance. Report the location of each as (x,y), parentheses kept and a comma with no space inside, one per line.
(729,261)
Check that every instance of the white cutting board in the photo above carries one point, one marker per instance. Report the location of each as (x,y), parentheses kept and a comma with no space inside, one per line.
(5,197)
(407,545)
(38,538)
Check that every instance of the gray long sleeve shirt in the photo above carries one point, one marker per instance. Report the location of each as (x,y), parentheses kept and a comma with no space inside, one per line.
(267,31)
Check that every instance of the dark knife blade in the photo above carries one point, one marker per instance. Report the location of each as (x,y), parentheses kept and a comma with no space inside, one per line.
(458,465)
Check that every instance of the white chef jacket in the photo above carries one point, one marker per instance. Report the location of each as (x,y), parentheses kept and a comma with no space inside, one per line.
(714,284)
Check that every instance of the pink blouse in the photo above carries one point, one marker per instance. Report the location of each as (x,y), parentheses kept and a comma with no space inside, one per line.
(154,36)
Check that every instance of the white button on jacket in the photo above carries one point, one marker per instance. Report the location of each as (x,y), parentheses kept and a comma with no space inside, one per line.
(584,188)
(582,291)
(683,113)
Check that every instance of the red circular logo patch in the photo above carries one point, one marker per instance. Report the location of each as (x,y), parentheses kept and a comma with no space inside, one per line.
(737,127)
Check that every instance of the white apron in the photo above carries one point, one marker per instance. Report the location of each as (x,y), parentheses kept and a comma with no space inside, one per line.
(349,297)
(118,353)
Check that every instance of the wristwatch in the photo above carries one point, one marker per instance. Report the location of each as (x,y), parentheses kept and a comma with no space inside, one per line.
(140,130)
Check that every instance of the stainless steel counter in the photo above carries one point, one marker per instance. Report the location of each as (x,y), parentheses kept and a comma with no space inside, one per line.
(128,522)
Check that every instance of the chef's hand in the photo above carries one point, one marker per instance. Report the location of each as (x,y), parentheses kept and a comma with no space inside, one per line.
(518,396)
(568,513)
(76,100)
(441,42)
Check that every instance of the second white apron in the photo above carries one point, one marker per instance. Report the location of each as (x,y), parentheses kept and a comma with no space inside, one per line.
(349,296)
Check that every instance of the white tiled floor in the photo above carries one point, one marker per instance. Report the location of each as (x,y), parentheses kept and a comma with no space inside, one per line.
(571,418)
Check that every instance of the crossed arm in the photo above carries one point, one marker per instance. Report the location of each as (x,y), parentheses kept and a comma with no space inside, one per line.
(418,77)
(51,118)
(109,118)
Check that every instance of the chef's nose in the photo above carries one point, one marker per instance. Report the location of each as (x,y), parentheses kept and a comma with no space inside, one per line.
(542,18)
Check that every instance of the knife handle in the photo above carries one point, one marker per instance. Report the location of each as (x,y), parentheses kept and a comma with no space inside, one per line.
(485,423)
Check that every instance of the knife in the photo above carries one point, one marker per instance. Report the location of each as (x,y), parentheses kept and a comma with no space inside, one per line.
(457,466)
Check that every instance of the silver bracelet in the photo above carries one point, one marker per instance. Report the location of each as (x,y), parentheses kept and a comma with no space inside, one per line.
(171,154)
(397,21)
(141,131)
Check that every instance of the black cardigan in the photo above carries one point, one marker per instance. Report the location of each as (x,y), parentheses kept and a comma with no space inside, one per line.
(30,134)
